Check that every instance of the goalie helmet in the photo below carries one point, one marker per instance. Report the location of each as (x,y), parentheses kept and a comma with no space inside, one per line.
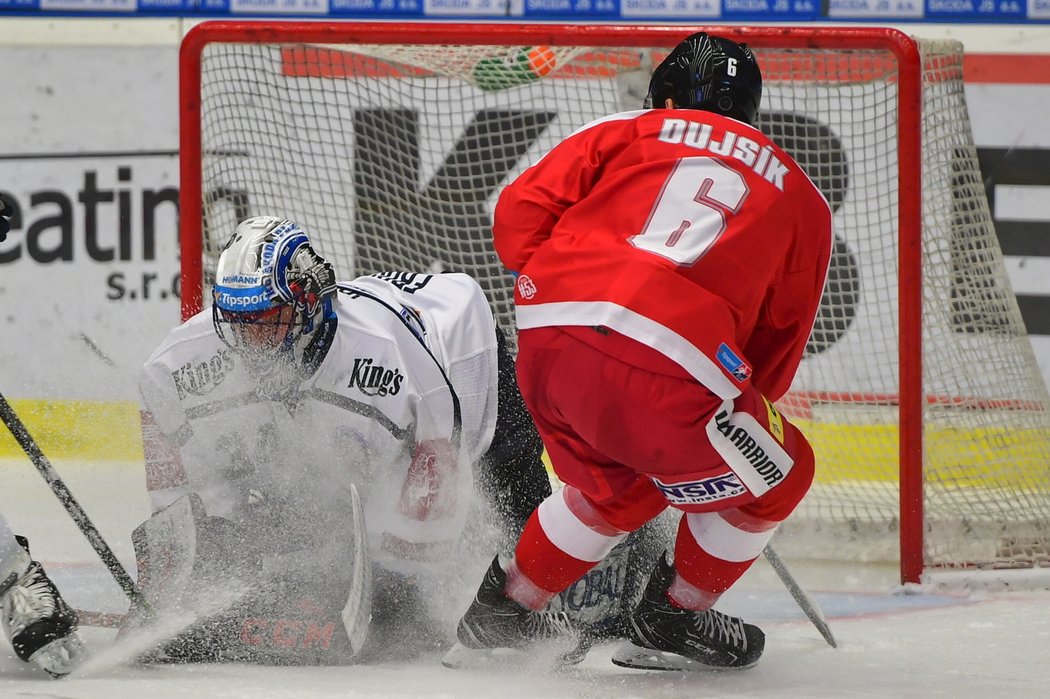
(709,73)
(272,291)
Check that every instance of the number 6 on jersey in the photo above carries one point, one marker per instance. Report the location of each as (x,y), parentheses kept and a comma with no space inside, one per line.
(690,214)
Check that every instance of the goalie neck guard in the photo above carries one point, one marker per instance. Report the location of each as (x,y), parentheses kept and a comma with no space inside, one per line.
(272,291)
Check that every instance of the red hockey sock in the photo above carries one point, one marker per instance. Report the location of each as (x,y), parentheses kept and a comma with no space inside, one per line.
(712,551)
(563,539)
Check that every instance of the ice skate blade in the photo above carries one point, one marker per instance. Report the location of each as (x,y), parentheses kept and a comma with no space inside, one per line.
(639,658)
(460,657)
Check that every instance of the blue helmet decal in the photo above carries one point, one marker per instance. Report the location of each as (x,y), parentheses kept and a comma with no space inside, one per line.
(243,299)
(277,257)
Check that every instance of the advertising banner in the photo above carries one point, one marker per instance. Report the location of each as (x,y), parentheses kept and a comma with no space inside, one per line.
(987,11)
(89,158)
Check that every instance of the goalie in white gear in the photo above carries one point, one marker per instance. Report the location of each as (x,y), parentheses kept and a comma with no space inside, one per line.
(266,408)
(38,623)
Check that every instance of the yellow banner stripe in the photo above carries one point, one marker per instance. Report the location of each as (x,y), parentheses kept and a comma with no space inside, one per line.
(78,429)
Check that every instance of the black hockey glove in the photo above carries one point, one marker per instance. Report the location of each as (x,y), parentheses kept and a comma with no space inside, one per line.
(5,219)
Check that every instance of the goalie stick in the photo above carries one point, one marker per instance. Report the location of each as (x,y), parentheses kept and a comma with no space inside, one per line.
(805,602)
(106,620)
(76,512)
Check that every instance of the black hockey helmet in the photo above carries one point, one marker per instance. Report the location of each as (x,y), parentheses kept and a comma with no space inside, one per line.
(710,73)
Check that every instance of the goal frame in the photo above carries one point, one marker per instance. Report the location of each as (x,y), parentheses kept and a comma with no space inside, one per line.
(909,148)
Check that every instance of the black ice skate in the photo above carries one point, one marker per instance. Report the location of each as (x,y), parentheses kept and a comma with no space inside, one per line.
(665,637)
(37,621)
(495,628)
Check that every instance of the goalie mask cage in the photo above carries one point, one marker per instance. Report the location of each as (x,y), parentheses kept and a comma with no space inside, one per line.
(390,142)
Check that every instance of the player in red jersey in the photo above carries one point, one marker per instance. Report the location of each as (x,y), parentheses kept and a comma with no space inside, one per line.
(670,265)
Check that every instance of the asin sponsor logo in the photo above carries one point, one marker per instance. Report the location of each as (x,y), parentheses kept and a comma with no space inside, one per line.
(373,379)
(750,449)
(720,487)
(732,363)
(200,378)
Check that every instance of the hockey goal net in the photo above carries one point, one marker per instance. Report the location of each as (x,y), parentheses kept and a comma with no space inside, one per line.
(390,143)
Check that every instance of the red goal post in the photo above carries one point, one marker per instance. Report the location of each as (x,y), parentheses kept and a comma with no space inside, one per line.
(334,124)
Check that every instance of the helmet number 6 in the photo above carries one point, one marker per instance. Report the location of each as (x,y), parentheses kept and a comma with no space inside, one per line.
(692,211)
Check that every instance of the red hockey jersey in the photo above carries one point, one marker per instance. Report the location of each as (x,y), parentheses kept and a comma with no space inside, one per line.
(685,230)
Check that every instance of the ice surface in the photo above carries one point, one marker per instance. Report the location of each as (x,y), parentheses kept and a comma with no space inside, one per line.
(922,644)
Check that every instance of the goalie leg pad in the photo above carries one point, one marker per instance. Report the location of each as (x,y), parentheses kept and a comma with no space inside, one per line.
(602,600)
(293,613)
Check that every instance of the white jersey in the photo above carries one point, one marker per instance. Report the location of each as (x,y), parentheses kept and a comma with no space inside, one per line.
(401,405)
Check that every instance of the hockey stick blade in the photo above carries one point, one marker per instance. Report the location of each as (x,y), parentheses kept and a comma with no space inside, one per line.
(76,512)
(805,602)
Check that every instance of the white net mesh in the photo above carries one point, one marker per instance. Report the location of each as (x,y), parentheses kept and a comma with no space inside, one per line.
(392,157)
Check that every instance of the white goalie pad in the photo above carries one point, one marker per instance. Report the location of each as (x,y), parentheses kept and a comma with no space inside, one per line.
(357,613)
(165,550)
(295,606)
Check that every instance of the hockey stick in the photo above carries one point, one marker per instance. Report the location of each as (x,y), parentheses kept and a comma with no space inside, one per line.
(108,620)
(58,487)
(804,600)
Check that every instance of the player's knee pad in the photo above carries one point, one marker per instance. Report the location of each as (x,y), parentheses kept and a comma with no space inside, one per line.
(771,462)
(779,502)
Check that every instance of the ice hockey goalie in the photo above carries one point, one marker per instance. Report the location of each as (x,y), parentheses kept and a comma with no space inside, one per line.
(265,415)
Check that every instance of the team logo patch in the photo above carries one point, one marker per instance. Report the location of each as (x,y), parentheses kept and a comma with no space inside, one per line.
(720,487)
(525,287)
(732,363)
(410,317)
